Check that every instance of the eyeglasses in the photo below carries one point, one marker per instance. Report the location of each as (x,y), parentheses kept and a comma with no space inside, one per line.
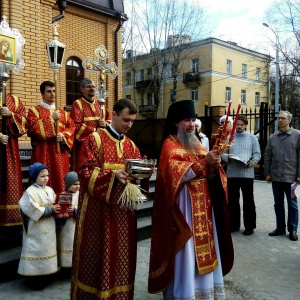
(89,87)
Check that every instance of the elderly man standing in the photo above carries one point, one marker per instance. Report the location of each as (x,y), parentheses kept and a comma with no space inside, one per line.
(191,246)
(282,168)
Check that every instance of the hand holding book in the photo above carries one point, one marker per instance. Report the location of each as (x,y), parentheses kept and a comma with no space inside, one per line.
(246,162)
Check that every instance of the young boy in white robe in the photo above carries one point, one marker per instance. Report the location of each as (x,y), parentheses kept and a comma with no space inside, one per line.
(39,254)
(66,225)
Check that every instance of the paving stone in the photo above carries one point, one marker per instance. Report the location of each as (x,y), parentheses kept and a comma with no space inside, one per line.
(265,268)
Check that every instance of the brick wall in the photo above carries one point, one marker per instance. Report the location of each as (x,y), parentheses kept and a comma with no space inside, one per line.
(80,30)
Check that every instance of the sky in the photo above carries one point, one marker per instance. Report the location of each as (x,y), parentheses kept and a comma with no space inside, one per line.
(241,22)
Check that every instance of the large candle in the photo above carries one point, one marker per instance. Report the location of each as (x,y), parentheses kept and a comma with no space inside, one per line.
(226,121)
(234,124)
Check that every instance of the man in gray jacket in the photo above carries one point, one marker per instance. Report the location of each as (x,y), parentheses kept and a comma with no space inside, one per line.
(282,168)
(240,159)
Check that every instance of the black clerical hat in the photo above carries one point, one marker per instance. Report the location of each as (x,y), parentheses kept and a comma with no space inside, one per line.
(177,112)
(181,110)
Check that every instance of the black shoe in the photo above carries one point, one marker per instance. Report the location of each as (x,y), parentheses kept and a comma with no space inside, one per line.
(293,235)
(277,232)
(37,286)
(248,231)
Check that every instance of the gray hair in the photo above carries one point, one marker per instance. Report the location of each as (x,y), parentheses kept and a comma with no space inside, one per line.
(289,115)
(86,81)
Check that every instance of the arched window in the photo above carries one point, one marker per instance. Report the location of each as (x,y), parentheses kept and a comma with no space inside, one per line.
(74,75)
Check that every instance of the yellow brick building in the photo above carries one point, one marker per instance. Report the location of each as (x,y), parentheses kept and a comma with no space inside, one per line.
(209,71)
(83,26)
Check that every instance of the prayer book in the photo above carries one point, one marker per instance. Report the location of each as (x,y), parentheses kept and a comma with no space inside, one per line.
(64,200)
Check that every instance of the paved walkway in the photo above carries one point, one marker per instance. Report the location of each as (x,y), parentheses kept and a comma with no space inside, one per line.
(265,267)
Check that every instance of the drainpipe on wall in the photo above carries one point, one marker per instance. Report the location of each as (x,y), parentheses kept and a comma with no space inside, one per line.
(62,5)
(122,18)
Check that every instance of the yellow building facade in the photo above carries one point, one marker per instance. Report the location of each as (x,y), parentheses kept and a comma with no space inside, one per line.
(83,26)
(210,71)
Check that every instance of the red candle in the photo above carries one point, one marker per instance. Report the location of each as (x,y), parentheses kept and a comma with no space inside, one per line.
(234,124)
(226,120)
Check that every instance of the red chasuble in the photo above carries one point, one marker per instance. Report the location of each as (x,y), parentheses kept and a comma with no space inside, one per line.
(170,231)
(42,131)
(86,116)
(105,245)
(10,168)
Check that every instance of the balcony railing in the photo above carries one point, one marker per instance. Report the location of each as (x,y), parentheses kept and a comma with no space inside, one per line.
(149,108)
(143,84)
(191,77)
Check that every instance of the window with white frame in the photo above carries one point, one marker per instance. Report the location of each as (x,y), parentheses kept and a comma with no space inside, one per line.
(149,98)
(149,73)
(258,74)
(171,96)
(128,78)
(257,98)
(194,93)
(243,96)
(244,70)
(142,75)
(256,124)
(195,65)
(229,66)
(170,70)
(228,94)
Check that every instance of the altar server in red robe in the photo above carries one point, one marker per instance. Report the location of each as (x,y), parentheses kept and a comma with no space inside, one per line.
(105,245)
(191,246)
(89,114)
(42,123)
(11,188)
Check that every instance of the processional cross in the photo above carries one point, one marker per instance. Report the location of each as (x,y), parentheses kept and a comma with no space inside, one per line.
(102,68)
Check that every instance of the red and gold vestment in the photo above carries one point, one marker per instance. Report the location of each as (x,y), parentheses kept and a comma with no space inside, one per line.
(104,254)
(42,131)
(170,231)
(86,116)
(10,168)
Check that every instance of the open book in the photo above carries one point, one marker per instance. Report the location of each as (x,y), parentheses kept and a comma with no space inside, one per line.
(235,157)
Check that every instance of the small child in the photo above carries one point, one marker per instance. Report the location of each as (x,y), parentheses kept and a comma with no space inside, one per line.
(39,255)
(66,225)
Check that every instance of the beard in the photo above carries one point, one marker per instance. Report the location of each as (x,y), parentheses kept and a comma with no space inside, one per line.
(189,141)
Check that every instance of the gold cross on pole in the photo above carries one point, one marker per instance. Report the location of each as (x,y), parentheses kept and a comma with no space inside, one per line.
(102,68)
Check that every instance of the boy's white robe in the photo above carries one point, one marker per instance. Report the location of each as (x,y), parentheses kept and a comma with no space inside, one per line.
(39,255)
(65,235)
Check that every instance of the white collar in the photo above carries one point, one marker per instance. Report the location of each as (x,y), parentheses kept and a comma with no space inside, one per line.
(114,131)
(51,106)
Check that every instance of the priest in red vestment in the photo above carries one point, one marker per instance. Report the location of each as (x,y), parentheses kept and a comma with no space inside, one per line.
(11,188)
(52,135)
(105,245)
(191,246)
(88,114)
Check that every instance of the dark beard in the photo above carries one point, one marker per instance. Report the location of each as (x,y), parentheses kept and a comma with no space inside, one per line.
(189,141)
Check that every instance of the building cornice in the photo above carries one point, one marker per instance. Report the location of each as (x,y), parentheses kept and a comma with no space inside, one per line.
(210,42)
